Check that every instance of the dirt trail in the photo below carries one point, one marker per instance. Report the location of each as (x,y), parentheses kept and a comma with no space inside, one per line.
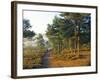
(45,59)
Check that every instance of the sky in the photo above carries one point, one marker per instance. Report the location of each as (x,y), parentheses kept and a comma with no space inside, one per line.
(39,20)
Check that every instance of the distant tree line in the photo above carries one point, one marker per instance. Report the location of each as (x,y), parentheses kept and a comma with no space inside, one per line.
(27,33)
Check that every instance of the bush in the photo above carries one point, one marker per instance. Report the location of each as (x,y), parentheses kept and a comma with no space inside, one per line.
(32,57)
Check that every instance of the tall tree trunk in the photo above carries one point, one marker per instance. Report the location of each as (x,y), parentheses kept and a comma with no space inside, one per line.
(70,49)
(78,42)
(78,50)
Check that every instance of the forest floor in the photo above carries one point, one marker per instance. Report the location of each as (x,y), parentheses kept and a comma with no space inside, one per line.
(83,59)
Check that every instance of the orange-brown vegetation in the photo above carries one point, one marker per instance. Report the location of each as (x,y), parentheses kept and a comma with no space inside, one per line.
(70,59)
(67,58)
